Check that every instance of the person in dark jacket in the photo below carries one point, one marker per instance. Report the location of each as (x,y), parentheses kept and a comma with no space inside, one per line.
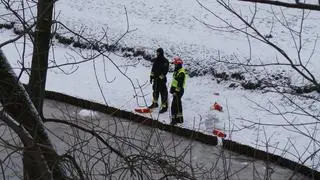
(158,77)
(177,89)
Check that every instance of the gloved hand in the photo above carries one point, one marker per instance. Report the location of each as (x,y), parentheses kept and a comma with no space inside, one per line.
(161,76)
(151,79)
(171,90)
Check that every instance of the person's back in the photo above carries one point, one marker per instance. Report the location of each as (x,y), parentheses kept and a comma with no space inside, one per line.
(160,66)
(158,77)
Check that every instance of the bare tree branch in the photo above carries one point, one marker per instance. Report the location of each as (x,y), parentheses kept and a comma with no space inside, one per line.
(297,5)
(32,151)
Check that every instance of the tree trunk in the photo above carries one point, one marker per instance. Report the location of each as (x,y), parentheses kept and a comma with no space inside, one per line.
(32,156)
(37,81)
(16,102)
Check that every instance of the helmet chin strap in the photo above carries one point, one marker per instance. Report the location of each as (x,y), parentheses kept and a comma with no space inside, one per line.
(177,66)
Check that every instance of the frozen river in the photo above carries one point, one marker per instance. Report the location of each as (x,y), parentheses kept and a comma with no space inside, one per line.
(136,140)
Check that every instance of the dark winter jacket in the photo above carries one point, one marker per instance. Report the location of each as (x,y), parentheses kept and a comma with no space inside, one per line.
(160,68)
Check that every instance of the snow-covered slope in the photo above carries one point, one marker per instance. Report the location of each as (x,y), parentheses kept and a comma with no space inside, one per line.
(173,25)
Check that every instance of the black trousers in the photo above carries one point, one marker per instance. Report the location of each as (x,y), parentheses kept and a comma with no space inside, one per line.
(160,88)
(176,108)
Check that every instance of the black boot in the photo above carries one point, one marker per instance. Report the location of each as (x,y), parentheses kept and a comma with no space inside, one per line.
(153,105)
(173,123)
(179,120)
(164,109)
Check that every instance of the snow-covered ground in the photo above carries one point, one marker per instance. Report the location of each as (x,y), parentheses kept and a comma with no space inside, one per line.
(172,25)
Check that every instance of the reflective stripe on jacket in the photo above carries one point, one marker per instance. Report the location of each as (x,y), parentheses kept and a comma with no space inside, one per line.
(175,82)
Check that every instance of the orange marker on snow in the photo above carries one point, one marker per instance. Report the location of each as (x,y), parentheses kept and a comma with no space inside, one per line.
(216,106)
(142,110)
(219,133)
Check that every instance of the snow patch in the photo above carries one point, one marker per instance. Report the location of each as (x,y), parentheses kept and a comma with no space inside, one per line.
(87,113)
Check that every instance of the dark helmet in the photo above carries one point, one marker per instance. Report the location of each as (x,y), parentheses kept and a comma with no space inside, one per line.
(160,51)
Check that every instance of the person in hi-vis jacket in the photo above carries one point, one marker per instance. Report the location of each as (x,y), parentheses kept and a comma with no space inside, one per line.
(177,89)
